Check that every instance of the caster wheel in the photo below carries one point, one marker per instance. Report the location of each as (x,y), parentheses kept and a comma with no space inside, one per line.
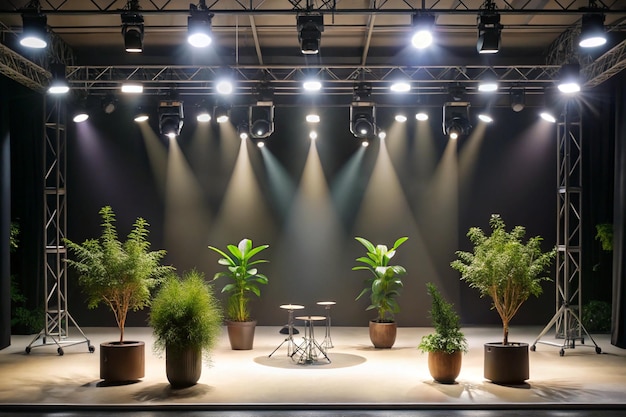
(43,339)
(92,349)
(561,352)
(598,350)
(27,350)
(60,351)
(533,348)
(582,341)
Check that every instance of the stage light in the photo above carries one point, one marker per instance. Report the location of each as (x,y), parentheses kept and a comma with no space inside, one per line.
(261,119)
(310,28)
(313,118)
(203,115)
(109,103)
(421,116)
(488,85)
(382,135)
(312,85)
(489,29)
(547,116)
(140,115)
(243,131)
(34,29)
(592,31)
(58,83)
(171,118)
(400,86)
(570,75)
(456,119)
(224,86)
(199,25)
(401,118)
(313,135)
(260,144)
(132,88)
(422,30)
(221,113)
(363,119)
(80,114)
(485,118)
(517,98)
(365,143)
(132,27)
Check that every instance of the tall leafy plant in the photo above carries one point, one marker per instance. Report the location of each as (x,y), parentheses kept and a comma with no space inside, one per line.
(245,277)
(385,283)
(118,274)
(504,267)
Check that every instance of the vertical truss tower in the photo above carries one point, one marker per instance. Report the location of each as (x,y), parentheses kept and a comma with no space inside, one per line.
(57,316)
(568,280)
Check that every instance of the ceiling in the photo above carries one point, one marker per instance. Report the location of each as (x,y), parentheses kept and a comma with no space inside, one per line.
(362,40)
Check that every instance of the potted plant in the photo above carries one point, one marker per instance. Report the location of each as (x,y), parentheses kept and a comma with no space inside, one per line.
(120,276)
(509,270)
(447,344)
(384,286)
(245,280)
(186,318)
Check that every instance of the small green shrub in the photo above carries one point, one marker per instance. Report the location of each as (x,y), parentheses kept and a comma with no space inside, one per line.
(447,336)
(596,316)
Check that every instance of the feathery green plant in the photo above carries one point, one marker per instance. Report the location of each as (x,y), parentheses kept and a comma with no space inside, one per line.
(447,336)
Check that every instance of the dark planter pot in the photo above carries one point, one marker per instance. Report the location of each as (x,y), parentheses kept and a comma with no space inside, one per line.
(444,367)
(506,364)
(183,366)
(122,362)
(241,334)
(383,335)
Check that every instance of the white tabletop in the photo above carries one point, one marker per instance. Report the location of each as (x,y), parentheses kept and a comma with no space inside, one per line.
(326,303)
(311,318)
(292,307)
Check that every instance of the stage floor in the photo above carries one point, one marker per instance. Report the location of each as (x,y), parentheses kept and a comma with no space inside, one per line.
(359,376)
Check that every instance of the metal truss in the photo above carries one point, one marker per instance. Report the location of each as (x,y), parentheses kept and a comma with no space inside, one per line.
(57,316)
(606,66)
(568,280)
(252,7)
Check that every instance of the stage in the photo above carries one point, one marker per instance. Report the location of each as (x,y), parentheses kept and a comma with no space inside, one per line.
(359,377)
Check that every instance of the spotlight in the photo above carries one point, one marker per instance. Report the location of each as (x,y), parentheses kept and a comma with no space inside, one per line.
(313,135)
(313,118)
(221,113)
(261,119)
(34,29)
(109,103)
(203,115)
(224,87)
(80,114)
(310,28)
(488,85)
(570,74)
(312,85)
(422,30)
(592,32)
(421,116)
(547,116)
(401,118)
(132,88)
(517,98)
(489,30)
(363,119)
(140,115)
(400,86)
(58,83)
(456,119)
(243,131)
(170,118)
(199,25)
(132,27)
(485,117)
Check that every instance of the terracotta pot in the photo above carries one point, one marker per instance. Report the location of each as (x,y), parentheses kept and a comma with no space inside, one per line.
(183,366)
(506,364)
(122,362)
(444,367)
(383,335)
(241,334)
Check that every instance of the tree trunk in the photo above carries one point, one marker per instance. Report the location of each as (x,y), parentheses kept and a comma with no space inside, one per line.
(505,329)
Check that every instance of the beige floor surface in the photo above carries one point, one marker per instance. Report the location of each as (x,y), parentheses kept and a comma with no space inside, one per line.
(358,374)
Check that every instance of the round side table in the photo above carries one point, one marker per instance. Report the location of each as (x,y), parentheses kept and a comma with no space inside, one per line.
(328,342)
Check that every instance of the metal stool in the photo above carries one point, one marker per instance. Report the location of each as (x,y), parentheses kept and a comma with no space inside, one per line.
(292,347)
(309,347)
(328,342)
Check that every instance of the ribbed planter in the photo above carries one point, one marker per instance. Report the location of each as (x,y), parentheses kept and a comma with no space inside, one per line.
(122,362)
(445,367)
(183,366)
(383,335)
(506,364)
(241,334)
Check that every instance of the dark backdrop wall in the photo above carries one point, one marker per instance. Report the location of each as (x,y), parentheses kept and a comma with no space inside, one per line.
(308,200)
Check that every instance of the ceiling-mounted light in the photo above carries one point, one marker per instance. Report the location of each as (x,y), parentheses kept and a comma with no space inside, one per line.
(422,30)
(132,27)
(140,115)
(58,83)
(261,119)
(80,113)
(485,117)
(362,112)
(517,98)
(456,119)
(243,131)
(400,86)
(421,115)
(224,86)
(592,31)
(313,135)
(132,88)
(203,115)
(221,113)
(312,85)
(570,78)
(310,28)
(400,118)
(489,29)
(171,118)
(488,84)
(312,118)
(34,28)
(199,25)
(547,116)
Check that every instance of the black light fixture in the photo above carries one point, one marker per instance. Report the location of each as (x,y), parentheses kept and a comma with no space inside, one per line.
(199,25)
(517,98)
(363,112)
(221,112)
(489,29)
(592,31)
(261,115)
(456,119)
(171,117)
(422,30)
(310,28)
(80,113)
(132,27)
(109,103)
(58,83)
(570,78)
(34,27)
